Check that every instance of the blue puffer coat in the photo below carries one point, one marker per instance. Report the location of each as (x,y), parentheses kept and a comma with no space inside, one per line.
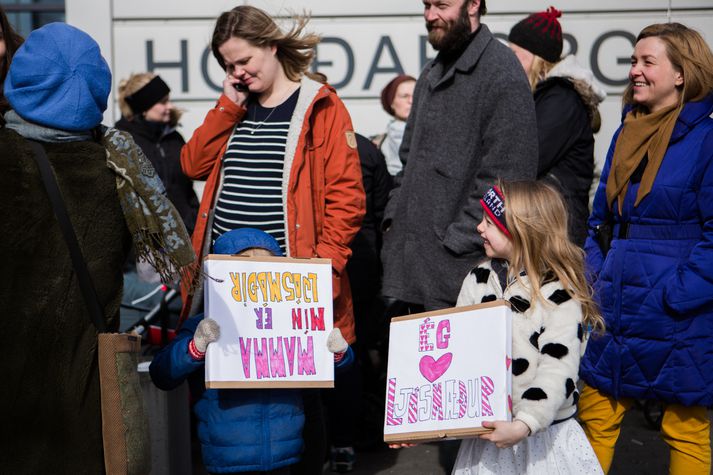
(655,286)
(239,429)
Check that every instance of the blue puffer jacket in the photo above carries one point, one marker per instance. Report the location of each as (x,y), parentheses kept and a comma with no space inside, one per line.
(239,429)
(655,286)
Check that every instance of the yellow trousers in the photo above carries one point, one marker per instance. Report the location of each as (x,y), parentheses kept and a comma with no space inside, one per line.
(685,429)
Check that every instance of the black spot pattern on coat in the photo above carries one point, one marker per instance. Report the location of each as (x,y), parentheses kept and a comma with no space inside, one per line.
(519,366)
(534,394)
(481,275)
(534,340)
(569,387)
(488,298)
(555,350)
(519,304)
(548,277)
(560,296)
(580,332)
(575,398)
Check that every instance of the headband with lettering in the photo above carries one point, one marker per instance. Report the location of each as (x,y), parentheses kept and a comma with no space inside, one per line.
(494,205)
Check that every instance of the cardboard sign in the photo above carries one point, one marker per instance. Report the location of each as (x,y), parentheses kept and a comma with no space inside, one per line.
(449,371)
(275,314)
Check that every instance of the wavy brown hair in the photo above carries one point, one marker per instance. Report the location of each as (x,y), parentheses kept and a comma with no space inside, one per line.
(295,49)
(536,217)
(689,53)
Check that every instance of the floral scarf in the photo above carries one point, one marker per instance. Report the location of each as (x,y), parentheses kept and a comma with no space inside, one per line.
(160,237)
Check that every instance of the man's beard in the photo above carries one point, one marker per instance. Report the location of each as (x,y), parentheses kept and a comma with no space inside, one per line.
(448,37)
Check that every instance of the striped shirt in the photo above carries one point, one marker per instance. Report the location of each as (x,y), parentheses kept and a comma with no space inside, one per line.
(253,166)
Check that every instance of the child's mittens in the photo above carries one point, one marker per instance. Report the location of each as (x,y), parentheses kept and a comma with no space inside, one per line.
(336,342)
(207,332)
(343,354)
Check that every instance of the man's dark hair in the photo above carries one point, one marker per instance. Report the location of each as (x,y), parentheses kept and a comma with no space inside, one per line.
(482,9)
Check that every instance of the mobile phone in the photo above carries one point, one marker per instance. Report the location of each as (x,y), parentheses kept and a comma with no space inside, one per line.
(240,87)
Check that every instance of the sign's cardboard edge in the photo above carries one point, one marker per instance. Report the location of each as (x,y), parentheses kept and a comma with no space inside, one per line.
(453,310)
(268,384)
(434,435)
(292,260)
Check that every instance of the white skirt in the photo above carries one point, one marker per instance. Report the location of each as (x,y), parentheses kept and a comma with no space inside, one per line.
(561,449)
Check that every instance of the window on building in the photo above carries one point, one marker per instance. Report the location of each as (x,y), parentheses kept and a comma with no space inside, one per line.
(27,15)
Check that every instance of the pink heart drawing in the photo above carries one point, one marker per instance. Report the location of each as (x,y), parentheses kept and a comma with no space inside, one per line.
(433,369)
(508,360)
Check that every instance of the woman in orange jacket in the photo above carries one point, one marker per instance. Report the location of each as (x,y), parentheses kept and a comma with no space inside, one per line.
(278,151)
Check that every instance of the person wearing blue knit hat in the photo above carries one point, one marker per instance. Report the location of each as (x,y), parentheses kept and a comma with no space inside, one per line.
(240,430)
(59,79)
(57,86)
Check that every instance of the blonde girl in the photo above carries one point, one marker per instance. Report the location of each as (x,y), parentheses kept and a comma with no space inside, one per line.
(534,266)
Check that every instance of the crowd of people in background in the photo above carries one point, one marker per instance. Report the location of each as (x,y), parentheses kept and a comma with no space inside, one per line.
(479,189)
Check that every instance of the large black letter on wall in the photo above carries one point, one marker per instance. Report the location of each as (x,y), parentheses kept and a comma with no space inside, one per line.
(594,57)
(350,60)
(152,65)
(374,69)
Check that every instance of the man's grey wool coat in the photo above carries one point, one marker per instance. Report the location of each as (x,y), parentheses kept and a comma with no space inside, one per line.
(468,127)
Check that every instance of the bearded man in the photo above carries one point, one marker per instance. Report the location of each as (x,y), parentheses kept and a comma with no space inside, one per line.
(472,121)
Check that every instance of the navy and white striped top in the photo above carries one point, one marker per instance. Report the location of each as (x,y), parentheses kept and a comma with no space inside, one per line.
(253,166)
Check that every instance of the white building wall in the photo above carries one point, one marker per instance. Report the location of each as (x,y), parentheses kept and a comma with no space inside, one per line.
(364,44)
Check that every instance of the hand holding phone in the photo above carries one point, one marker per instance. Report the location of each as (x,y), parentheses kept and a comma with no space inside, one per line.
(235,90)
(241,87)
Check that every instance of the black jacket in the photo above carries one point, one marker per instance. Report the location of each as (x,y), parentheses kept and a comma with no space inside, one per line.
(365,266)
(566,144)
(162,146)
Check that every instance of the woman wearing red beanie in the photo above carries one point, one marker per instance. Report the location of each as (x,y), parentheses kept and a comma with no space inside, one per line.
(566,101)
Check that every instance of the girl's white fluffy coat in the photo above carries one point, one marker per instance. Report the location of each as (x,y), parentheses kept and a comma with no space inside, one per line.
(559,326)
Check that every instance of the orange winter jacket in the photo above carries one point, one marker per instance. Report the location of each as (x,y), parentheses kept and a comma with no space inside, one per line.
(322,186)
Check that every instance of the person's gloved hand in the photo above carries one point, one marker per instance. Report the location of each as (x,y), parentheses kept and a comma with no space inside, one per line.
(207,332)
(343,354)
(336,342)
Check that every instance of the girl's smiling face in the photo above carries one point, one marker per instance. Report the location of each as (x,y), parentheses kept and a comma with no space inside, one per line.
(497,244)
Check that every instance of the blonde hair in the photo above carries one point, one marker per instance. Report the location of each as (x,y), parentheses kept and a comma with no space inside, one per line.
(295,49)
(689,53)
(538,71)
(129,86)
(536,217)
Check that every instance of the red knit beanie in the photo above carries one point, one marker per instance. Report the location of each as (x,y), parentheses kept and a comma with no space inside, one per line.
(389,91)
(540,34)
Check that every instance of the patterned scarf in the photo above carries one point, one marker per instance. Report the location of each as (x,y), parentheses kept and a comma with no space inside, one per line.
(160,237)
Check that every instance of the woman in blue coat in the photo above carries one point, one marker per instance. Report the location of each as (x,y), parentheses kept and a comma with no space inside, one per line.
(650,252)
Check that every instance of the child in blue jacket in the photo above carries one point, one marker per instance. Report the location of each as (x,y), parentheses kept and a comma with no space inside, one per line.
(240,430)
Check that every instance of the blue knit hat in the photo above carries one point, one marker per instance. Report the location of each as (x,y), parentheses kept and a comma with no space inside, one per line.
(59,79)
(238,240)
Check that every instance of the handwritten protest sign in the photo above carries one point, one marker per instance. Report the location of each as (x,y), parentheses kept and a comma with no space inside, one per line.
(275,315)
(448,372)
